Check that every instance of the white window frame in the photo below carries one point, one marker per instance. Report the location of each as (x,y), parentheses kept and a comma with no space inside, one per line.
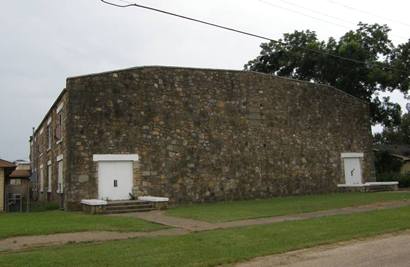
(49,137)
(60,121)
(49,176)
(60,174)
(49,134)
(115,157)
(41,179)
(352,155)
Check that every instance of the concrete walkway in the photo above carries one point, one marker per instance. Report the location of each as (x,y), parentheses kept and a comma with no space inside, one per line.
(182,227)
(25,242)
(194,225)
(385,250)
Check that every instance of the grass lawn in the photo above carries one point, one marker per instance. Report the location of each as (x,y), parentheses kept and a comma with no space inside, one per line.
(238,210)
(216,247)
(49,222)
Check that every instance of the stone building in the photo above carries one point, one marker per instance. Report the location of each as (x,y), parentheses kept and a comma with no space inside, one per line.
(47,150)
(198,135)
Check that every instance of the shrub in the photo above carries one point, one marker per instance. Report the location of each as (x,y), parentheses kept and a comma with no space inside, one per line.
(43,206)
(403,179)
(385,163)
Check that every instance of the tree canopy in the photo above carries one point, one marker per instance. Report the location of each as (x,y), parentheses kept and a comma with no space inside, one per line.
(376,65)
(395,135)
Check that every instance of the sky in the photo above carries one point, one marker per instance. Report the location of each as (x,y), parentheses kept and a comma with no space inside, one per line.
(45,41)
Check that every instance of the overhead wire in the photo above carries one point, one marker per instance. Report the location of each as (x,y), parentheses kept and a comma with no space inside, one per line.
(269,3)
(132,4)
(368,13)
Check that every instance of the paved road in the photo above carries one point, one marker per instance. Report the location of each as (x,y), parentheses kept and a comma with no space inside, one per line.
(387,250)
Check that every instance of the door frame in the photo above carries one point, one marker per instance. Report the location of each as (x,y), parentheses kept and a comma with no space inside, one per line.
(112,158)
(352,155)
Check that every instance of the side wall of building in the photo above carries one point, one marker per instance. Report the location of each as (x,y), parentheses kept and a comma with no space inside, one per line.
(48,147)
(2,189)
(205,135)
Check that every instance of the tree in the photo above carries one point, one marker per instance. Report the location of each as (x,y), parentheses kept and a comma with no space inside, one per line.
(395,135)
(376,65)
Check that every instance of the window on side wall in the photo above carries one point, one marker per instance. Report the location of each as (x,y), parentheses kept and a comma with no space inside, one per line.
(41,179)
(15,181)
(60,178)
(59,127)
(49,137)
(49,176)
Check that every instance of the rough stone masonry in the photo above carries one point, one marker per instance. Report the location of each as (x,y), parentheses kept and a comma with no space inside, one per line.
(209,135)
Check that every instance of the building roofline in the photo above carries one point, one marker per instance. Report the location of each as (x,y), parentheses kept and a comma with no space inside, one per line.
(6,164)
(211,69)
(25,174)
(50,109)
(402,157)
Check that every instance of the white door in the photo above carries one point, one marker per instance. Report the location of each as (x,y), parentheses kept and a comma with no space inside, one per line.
(353,171)
(114,180)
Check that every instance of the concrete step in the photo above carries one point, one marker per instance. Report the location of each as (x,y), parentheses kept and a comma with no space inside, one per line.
(121,206)
(126,210)
(379,188)
(126,207)
(127,203)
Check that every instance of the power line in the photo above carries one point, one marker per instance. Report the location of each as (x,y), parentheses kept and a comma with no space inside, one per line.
(300,13)
(314,17)
(187,18)
(315,11)
(367,12)
(130,4)
(334,17)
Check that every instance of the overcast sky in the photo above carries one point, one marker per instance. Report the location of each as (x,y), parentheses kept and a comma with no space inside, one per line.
(45,41)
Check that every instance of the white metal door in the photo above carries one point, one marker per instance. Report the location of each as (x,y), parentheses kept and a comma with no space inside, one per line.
(353,171)
(114,180)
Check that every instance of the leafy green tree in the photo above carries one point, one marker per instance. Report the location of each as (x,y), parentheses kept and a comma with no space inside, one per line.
(395,135)
(376,65)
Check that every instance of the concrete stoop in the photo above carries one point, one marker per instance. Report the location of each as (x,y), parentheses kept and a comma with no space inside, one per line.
(369,187)
(94,206)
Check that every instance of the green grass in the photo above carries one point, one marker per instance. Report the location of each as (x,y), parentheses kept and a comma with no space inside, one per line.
(49,222)
(37,206)
(216,247)
(239,210)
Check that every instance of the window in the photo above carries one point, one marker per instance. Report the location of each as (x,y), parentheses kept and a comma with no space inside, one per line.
(41,141)
(38,148)
(49,175)
(49,137)
(15,181)
(60,185)
(59,124)
(41,179)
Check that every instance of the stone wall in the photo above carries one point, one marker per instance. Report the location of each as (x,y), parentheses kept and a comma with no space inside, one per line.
(205,135)
(2,189)
(43,155)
